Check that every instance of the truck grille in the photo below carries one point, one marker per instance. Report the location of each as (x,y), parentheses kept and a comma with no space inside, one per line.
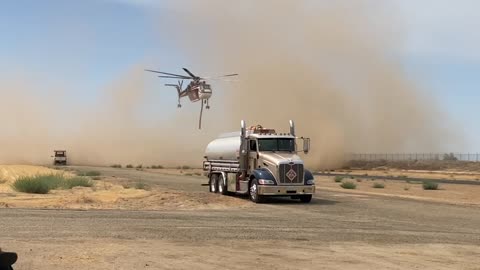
(291,174)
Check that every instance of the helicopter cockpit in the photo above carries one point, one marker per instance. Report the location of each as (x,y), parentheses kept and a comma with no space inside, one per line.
(204,87)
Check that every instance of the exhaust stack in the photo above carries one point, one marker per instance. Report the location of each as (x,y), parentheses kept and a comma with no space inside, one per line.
(292,127)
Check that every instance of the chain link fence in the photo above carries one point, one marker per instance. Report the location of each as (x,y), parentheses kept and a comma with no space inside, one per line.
(475,157)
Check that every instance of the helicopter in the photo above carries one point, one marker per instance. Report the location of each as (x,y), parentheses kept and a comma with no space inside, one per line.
(196,90)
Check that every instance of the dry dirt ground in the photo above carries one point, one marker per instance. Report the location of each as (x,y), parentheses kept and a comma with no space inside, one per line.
(338,230)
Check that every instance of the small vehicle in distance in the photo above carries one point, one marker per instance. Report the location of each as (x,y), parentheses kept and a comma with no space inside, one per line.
(60,157)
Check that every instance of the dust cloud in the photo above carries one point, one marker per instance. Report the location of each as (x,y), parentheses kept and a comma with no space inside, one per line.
(326,66)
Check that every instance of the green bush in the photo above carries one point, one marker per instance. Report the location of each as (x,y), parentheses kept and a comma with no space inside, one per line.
(129,166)
(450,157)
(89,173)
(348,185)
(430,186)
(77,182)
(116,166)
(141,185)
(378,185)
(40,184)
(338,179)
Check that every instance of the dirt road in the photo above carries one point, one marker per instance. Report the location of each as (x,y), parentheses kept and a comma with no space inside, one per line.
(335,231)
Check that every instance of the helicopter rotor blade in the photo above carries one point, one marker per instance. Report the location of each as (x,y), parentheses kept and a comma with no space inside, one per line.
(169,74)
(173,77)
(218,77)
(191,74)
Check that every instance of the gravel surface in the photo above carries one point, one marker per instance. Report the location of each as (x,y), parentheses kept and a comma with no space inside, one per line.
(335,231)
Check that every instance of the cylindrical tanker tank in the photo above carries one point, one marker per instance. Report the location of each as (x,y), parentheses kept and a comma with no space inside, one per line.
(223,148)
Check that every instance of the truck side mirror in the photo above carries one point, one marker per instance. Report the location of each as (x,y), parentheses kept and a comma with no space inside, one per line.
(306,145)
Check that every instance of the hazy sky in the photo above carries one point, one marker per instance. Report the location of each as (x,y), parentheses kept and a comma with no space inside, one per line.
(84,45)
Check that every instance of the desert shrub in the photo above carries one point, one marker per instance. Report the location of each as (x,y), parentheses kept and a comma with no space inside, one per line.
(77,182)
(198,174)
(139,166)
(430,186)
(338,179)
(129,166)
(2,181)
(378,185)
(348,185)
(406,188)
(358,180)
(126,185)
(91,173)
(141,185)
(189,174)
(450,157)
(40,184)
(116,166)
(185,167)
(96,178)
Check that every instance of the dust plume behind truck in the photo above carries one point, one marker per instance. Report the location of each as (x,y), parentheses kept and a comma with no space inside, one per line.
(259,162)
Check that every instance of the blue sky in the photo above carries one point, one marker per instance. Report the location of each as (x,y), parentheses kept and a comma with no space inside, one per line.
(86,44)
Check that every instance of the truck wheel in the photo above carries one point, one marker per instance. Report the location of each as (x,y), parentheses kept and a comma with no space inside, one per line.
(306,198)
(253,191)
(213,183)
(222,188)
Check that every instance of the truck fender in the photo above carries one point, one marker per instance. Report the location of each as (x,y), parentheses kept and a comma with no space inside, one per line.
(308,175)
(262,173)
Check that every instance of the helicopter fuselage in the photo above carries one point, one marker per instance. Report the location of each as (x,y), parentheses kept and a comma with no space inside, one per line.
(198,91)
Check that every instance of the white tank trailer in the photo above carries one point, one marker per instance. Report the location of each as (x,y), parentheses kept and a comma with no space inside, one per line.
(259,162)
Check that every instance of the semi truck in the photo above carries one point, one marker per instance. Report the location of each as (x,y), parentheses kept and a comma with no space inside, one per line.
(259,162)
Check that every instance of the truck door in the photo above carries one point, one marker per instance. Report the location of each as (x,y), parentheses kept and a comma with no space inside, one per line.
(252,155)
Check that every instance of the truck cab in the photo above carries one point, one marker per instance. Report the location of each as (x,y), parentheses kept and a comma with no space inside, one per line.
(259,162)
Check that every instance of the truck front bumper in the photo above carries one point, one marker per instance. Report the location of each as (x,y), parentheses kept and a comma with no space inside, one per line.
(285,190)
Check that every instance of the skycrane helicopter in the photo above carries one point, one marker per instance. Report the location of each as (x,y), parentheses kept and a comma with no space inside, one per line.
(196,90)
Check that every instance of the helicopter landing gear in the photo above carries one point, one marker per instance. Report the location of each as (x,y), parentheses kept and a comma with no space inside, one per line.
(179,105)
(208,106)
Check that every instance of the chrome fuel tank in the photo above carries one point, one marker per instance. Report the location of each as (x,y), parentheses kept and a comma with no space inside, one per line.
(224,148)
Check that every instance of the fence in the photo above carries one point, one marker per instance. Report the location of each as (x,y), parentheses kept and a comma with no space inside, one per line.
(475,157)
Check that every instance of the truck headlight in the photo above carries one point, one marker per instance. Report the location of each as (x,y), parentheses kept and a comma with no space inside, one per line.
(311,182)
(266,182)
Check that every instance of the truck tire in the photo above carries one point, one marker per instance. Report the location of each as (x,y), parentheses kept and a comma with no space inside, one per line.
(253,192)
(222,188)
(306,198)
(213,183)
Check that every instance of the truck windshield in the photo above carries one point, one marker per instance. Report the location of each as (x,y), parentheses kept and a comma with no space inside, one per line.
(276,144)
